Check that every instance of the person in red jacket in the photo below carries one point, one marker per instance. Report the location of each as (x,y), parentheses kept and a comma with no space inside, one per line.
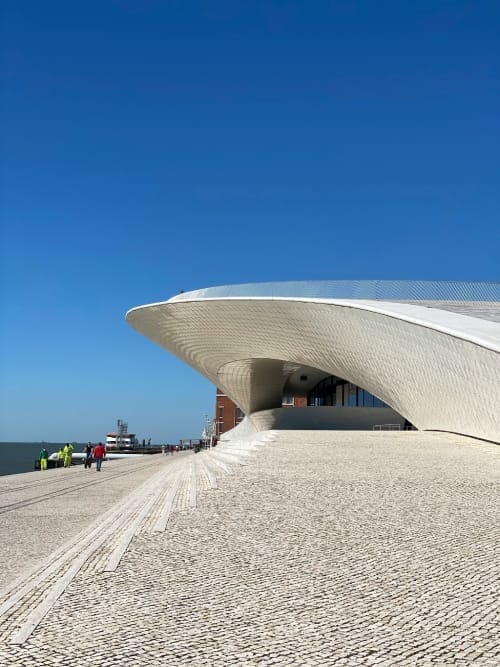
(99,454)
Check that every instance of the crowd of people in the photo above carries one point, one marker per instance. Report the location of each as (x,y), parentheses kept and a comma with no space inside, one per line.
(97,453)
(92,453)
(169,449)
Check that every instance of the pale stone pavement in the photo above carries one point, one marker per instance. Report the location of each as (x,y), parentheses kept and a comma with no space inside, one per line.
(323,548)
(40,511)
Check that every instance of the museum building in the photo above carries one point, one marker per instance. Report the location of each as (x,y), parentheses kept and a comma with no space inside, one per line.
(347,354)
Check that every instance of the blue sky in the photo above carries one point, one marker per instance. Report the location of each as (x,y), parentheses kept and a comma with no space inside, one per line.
(153,146)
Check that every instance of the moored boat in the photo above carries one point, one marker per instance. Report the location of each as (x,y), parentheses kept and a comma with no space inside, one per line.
(121,438)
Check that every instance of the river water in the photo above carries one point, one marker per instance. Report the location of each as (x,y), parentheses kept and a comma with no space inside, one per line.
(20,456)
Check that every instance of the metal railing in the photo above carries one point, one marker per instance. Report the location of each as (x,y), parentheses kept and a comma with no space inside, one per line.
(393,290)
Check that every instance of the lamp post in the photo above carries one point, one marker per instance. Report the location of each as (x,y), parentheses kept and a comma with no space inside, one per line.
(213,431)
(204,435)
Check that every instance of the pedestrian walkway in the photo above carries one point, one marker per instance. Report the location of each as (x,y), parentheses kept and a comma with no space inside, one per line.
(39,511)
(296,548)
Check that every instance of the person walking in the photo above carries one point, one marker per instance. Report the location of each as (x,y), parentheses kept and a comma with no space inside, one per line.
(44,455)
(88,455)
(68,455)
(99,455)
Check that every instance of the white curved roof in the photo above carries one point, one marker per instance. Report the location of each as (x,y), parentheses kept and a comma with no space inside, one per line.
(430,350)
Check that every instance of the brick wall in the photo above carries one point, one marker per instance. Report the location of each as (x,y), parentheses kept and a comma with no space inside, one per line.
(228,415)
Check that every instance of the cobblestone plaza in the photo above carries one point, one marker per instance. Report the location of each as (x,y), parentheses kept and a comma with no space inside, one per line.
(305,548)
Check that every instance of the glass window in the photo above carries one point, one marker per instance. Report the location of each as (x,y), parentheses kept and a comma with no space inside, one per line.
(352,395)
(361,397)
(337,392)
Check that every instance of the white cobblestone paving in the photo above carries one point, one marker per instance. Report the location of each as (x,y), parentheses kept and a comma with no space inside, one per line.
(333,548)
(24,604)
(40,511)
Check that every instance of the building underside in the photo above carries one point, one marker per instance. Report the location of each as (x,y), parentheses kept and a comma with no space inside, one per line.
(429,350)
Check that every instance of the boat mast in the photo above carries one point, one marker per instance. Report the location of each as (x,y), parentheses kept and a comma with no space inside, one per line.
(121,432)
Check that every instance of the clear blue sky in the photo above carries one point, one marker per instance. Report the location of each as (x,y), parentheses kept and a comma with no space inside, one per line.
(150,146)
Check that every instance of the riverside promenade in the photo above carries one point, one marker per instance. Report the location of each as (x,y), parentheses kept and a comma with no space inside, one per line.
(295,548)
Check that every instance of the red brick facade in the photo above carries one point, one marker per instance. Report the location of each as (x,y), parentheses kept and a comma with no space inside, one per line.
(228,415)
(300,402)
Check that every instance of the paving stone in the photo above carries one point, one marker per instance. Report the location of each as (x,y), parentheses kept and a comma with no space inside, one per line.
(333,548)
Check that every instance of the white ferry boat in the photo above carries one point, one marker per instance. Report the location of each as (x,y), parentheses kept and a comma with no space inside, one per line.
(121,438)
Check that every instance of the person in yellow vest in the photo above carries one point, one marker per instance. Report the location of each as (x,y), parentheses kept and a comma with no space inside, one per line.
(60,458)
(44,455)
(68,455)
